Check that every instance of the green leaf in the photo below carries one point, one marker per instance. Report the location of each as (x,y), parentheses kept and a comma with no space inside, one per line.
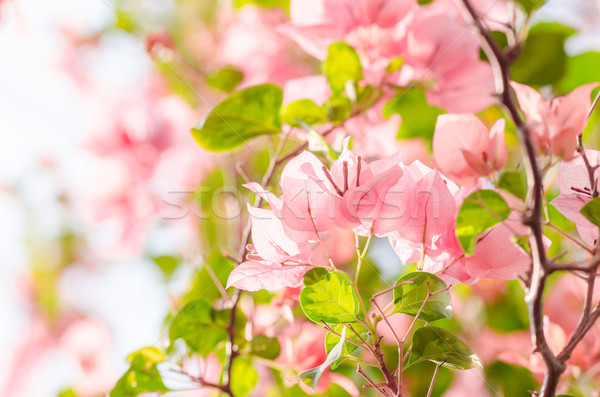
(440,347)
(510,380)
(514,182)
(331,340)
(409,297)
(312,376)
(394,65)
(592,211)
(67,393)
(328,297)
(225,79)
(241,116)
(581,69)
(284,4)
(339,108)
(201,326)
(243,377)
(341,65)
(304,110)
(530,5)
(480,211)
(167,264)
(543,58)
(418,118)
(265,347)
(142,376)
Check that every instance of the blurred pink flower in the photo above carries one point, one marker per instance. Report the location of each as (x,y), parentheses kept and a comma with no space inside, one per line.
(555,124)
(303,348)
(443,54)
(576,191)
(464,149)
(251,44)
(373,28)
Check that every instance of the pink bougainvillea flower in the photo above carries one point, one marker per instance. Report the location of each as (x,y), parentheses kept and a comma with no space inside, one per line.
(375,28)
(309,197)
(365,192)
(429,212)
(251,44)
(576,191)
(497,256)
(464,149)
(351,194)
(443,54)
(555,124)
(275,261)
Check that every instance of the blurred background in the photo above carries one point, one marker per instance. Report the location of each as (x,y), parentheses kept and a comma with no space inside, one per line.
(98,170)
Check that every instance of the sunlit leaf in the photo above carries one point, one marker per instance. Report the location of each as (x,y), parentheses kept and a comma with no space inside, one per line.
(530,5)
(514,182)
(410,297)
(543,58)
(479,212)
(441,347)
(418,118)
(581,69)
(225,79)
(142,376)
(328,297)
(304,110)
(265,347)
(341,65)
(243,377)
(201,326)
(243,115)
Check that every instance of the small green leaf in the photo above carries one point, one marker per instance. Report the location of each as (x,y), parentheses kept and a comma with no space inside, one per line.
(265,347)
(142,376)
(480,211)
(342,65)
(544,46)
(241,116)
(201,326)
(243,377)
(328,297)
(441,347)
(225,79)
(409,297)
(514,182)
(394,65)
(67,393)
(339,108)
(418,118)
(331,340)
(284,4)
(312,376)
(530,5)
(581,69)
(592,211)
(167,264)
(304,110)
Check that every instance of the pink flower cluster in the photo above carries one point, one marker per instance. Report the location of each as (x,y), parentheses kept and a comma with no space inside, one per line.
(439,50)
(414,206)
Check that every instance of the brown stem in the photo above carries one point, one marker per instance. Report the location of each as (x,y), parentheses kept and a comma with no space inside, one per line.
(376,386)
(437,368)
(533,215)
